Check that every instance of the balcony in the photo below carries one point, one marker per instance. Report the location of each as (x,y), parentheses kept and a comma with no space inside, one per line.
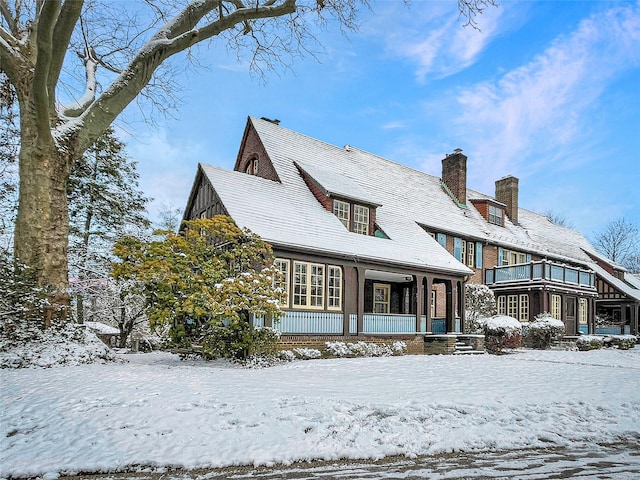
(540,272)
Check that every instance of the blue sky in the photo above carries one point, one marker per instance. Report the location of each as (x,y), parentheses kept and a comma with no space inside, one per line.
(546,91)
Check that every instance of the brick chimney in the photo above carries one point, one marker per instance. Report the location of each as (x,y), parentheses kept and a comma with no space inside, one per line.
(454,174)
(507,193)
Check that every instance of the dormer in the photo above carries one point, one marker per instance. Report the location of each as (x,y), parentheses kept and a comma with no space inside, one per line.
(492,211)
(342,197)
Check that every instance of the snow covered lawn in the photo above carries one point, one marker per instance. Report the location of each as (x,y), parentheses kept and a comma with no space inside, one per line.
(158,411)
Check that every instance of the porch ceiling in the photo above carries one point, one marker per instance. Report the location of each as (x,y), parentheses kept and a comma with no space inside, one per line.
(387,276)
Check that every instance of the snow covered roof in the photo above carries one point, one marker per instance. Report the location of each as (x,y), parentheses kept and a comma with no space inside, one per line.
(629,287)
(407,199)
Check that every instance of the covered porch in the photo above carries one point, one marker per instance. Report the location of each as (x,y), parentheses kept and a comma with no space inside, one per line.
(382,302)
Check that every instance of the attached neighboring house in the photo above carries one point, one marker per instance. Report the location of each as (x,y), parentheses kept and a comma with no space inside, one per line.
(371,247)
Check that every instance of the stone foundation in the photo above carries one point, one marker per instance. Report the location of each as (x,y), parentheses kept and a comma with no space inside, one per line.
(439,344)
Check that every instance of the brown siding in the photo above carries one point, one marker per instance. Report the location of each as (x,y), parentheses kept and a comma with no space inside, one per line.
(205,201)
(324,200)
(482,207)
(251,148)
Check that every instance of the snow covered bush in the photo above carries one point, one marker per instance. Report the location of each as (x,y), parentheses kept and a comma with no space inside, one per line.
(543,330)
(479,302)
(589,342)
(364,349)
(501,332)
(307,353)
(623,342)
(61,344)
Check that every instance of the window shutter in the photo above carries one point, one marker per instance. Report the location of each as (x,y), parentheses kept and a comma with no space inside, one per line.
(478,254)
(442,239)
(457,248)
(528,257)
(500,256)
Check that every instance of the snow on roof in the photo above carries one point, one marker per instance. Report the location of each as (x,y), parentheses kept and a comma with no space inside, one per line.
(628,288)
(407,199)
(102,328)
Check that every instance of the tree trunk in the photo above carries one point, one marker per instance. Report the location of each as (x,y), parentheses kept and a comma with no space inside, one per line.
(42,225)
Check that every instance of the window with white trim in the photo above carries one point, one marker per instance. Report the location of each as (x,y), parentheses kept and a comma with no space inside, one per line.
(341,210)
(502,305)
(308,285)
(556,306)
(361,219)
(495,215)
(471,257)
(334,287)
(381,296)
(524,308)
(283,282)
(512,306)
(582,310)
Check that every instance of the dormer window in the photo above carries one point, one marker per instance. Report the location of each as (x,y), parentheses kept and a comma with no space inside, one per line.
(341,210)
(353,216)
(492,211)
(361,219)
(496,215)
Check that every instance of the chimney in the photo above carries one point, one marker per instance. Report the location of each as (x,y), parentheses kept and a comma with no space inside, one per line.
(454,175)
(507,193)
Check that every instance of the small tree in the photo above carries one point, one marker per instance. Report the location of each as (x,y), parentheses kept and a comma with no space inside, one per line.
(209,276)
(619,241)
(479,302)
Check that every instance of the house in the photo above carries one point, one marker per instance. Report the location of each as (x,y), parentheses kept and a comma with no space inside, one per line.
(370,247)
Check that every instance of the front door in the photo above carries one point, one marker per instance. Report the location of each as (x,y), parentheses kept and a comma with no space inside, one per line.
(570,319)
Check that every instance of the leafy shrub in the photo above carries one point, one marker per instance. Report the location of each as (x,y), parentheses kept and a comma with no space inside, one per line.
(543,330)
(589,342)
(622,342)
(501,333)
(238,340)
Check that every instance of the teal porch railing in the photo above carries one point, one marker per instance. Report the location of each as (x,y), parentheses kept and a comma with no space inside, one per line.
(540,271)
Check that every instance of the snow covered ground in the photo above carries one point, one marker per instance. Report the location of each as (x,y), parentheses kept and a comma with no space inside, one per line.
(158,411)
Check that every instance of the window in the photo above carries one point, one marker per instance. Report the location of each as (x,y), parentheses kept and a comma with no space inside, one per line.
(556,306)
(502,305)
(582,310)
(512,306)
(495,215)
(308,285)
(334,285)
(283,281)
(510,257)
(524,308)
(471,254)
(433,303)
(252,166)
(381,294)
(361,219)
(341,210)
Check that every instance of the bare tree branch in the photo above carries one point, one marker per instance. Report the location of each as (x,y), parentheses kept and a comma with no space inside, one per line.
(6,14)
(67,19)
(46,24)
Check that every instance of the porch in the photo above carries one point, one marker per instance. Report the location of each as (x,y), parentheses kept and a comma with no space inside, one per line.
(324,323)
(540,271)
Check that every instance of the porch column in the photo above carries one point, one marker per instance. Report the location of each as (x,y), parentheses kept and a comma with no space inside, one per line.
(592,316)
(451,314)
(419,300)
(635,319)
(361,274)
(350,297)
(428,286)
(460,288)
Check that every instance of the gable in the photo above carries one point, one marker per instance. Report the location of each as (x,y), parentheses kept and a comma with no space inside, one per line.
(204,201)
(251,153)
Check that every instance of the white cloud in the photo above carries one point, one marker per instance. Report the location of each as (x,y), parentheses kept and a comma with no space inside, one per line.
(543,106)
(432,36)
(167,166)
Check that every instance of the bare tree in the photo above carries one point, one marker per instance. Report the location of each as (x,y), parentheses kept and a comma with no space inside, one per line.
(619,241)
(121,47)
(558,218)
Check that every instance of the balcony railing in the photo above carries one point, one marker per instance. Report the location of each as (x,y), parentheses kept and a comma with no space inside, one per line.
(540,271)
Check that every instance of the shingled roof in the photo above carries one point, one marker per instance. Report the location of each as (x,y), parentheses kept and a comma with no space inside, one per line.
(408,200)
